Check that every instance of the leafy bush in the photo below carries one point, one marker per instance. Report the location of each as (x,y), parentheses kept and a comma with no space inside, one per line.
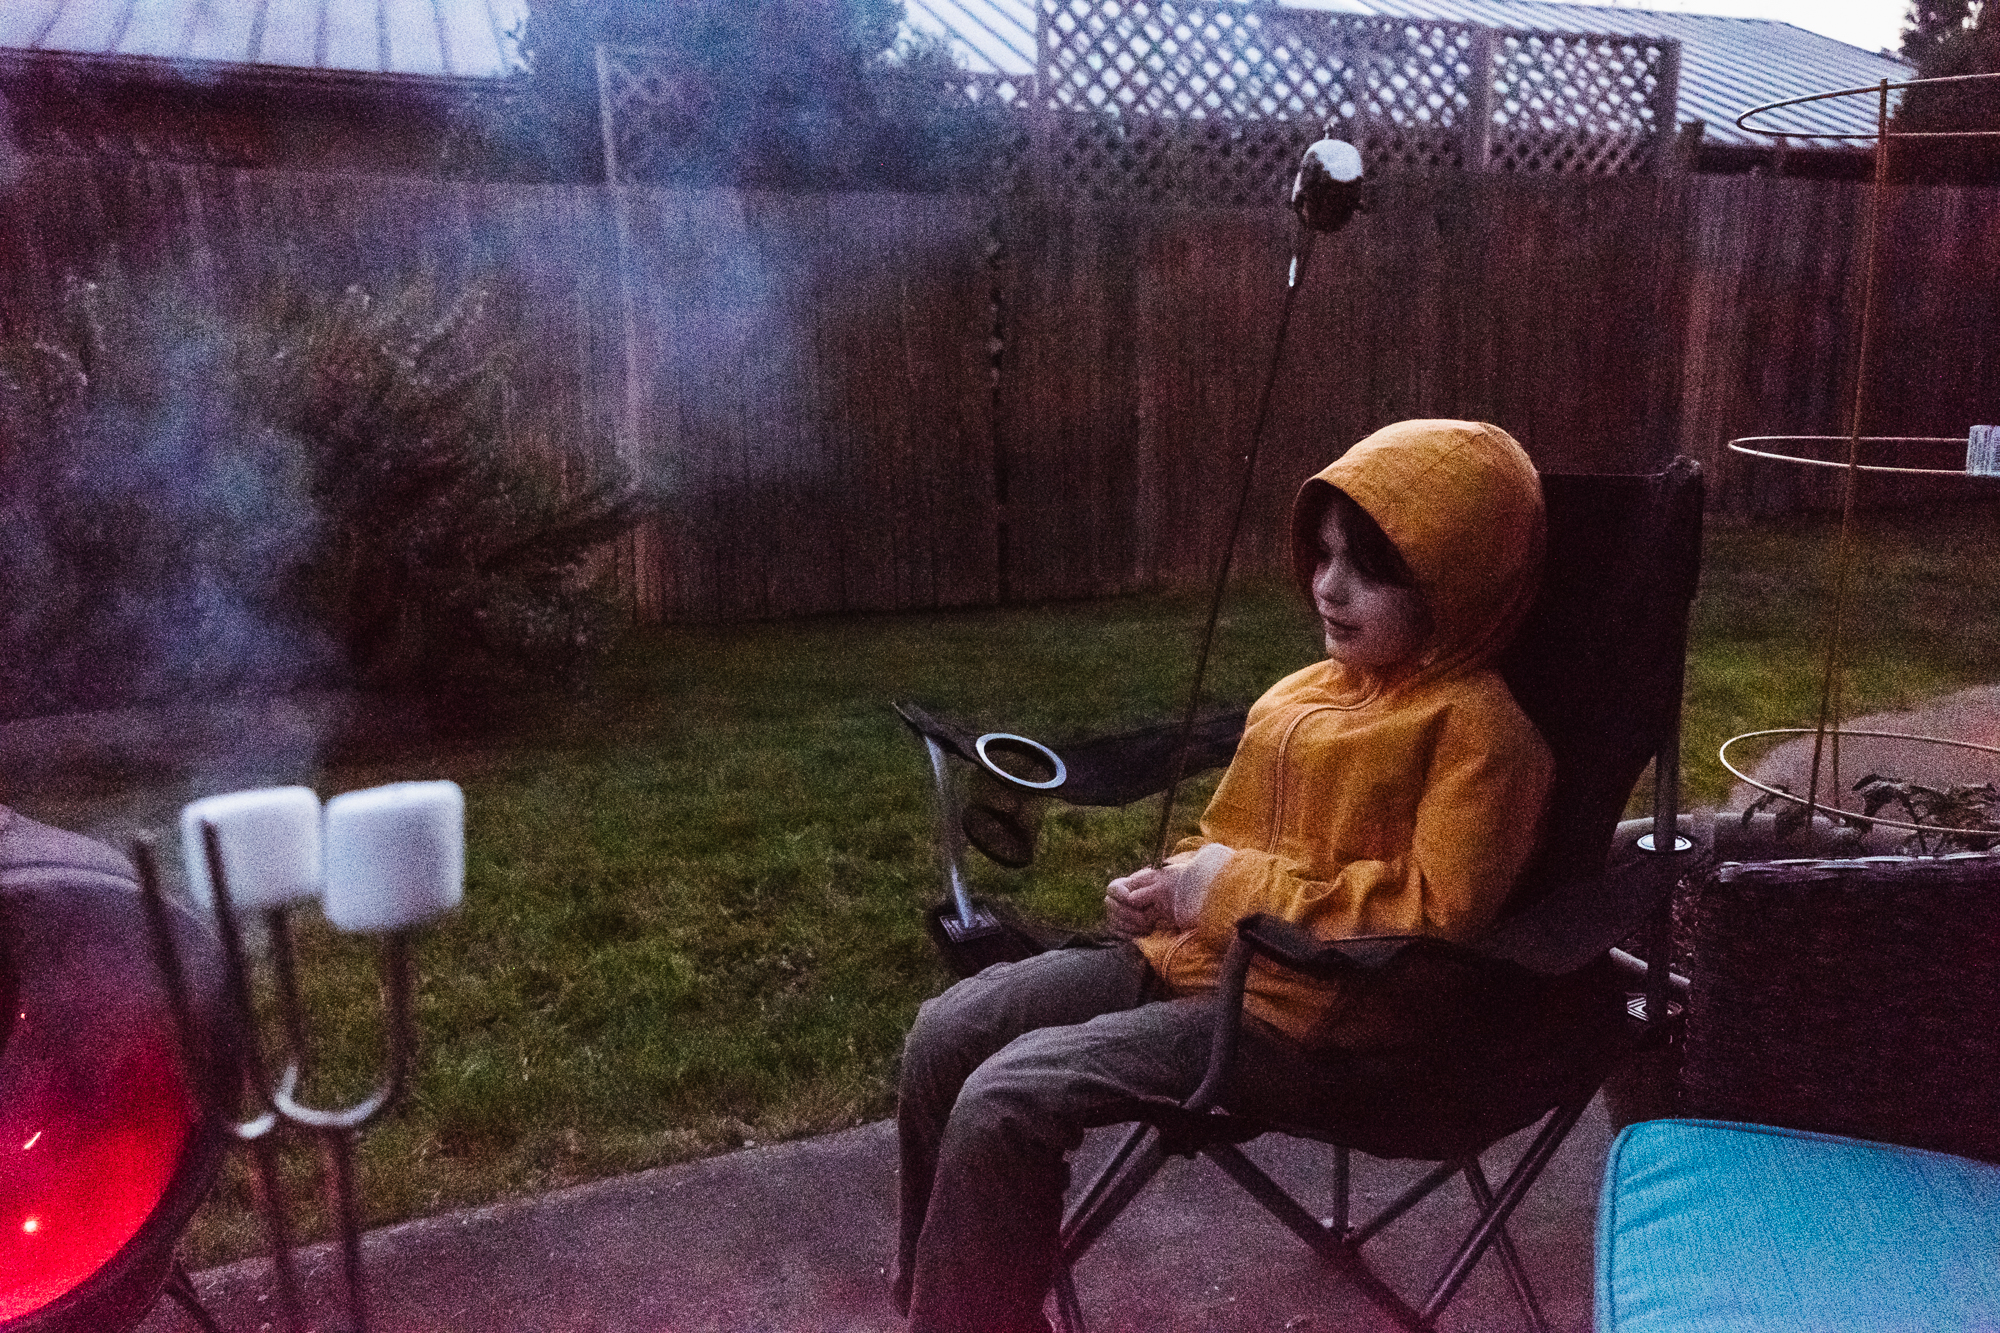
(330,492)
(443,559)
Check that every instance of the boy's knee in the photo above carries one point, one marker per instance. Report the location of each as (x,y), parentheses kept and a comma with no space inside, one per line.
(1016,1102)
(943,1044)
(938,1027)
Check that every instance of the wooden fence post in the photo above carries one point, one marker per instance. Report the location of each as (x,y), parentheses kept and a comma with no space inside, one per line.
(643,542)
(1666,107)
(1478,145)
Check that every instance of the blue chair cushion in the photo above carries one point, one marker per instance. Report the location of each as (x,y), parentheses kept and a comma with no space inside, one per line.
(1707,1225)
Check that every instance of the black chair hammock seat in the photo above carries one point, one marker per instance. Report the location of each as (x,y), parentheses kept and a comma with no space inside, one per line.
(1487,1040)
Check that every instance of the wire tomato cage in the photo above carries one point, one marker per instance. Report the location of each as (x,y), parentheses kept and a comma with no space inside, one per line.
(1982,445)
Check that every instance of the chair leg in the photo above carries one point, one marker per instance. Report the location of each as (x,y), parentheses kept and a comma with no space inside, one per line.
(1069,1310)
(1403,1202)
(1139,1158)
(181,1287)
(1136,1162)
(1341,1253)
(1115,1186)
(1494,1219)
(1342,1177)
(1503,1245)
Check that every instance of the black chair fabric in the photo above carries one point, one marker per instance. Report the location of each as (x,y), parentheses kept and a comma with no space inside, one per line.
(1598,664)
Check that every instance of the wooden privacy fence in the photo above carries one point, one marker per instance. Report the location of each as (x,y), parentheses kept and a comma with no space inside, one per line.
(879,402)
(1777,269)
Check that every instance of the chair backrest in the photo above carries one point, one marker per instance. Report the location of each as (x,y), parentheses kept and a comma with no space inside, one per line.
(1598,663)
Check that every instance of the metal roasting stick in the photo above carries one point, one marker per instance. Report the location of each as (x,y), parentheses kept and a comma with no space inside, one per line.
(276,1103)
(220,1089)
(1325,194)
(1301,259)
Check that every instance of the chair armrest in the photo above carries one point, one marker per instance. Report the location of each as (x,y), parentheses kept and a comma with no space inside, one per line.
(1579,921)
(1289,946)
(1329,960)
(1638,974)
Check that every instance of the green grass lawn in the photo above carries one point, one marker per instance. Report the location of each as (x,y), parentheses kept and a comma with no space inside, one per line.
(693,908)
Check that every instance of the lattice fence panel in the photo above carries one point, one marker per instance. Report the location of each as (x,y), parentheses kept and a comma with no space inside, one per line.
(652,104)
(1213,102)
(648,107)
(1273,79)
(1577,102)
(1010,94)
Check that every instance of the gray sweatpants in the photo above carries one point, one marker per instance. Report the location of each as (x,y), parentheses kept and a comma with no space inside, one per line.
(1001,1076)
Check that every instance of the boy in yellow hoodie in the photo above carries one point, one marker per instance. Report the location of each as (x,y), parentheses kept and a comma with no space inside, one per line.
(1393,788)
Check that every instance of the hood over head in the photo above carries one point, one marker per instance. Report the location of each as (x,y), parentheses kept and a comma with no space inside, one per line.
(1462,504)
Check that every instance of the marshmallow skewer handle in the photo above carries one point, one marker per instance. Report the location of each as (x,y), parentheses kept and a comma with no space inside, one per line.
(270,840)
(395,856)
(395,962)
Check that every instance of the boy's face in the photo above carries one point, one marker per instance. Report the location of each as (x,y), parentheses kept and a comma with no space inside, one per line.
(1366,624)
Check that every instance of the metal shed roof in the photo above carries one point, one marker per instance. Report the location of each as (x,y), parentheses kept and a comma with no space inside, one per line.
(1727,64)
(438,38)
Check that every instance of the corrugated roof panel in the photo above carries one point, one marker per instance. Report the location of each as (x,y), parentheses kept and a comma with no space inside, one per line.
(413,38)
(21,23)
(466,38)
(291,33)
(993,36)
(353,36)
(87,25)
(157,28)
(221,31)
(1728,65)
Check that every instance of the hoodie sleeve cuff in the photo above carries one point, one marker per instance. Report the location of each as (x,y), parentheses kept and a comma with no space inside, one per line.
(1234,889)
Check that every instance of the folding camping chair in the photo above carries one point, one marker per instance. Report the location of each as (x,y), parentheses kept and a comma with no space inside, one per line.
(1525,1026)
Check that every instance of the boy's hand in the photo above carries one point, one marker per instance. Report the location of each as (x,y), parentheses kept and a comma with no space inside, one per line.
(1168,897)
(1140,903)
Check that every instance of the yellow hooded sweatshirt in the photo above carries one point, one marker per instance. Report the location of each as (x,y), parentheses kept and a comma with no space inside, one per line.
(1404,800)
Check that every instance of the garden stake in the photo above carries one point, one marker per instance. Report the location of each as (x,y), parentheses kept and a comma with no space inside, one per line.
(1828,724)
(1829,691)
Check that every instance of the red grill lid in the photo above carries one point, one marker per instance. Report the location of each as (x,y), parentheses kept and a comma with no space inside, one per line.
(89,1143)
(95,1116)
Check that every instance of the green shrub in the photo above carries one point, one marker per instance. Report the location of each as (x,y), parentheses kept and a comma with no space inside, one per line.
(332,490)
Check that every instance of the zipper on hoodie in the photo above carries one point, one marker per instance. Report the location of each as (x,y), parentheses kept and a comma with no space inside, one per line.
(1277,818)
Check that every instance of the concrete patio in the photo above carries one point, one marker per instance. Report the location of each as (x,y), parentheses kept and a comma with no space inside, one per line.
(796,1237)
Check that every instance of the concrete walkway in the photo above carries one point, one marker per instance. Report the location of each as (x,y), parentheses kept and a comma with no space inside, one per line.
(796,1237)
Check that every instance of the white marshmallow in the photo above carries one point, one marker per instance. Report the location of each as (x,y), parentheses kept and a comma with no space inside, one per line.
(395,855)
(270,846)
